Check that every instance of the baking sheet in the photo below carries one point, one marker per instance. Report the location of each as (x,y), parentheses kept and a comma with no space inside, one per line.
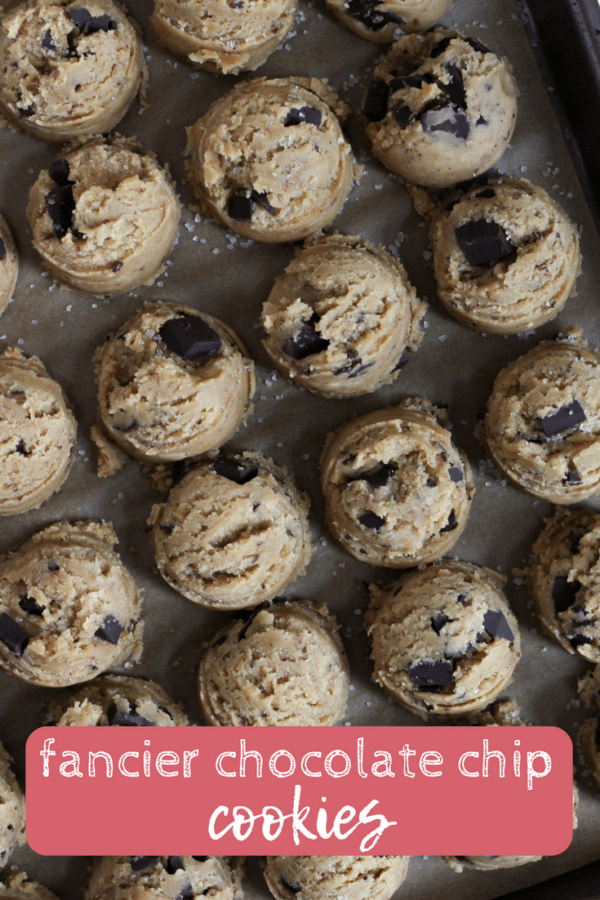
(223,275)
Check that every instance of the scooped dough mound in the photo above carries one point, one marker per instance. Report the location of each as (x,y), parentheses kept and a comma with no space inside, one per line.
(9,265)
(383,21)
(117,700)
(18,887)
(332,877)
(12,809)
(166,878)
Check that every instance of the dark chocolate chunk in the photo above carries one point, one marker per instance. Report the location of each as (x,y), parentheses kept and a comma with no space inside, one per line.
(31,606)
(496,625)
(447,117)
(306,114)
(572,477)
(238,470)
(476,45)
(53,566)
(89,24)
(431,482)
(579,640)
(482,121)
(483,243)
(117,718)
(438,621)
(360,369)
(375,106)
(402,361)
(455,88)
(262,199)
(455,474)
(403,115)
(451,524)
(432,676)
(568,416)
(61,205)
(186,891)
(200,858)
(380,476)
(371,520)
(240,207)
(564,593)
(190,337)
(2,248)
(366,11)
(440,47)
(110,630)
(411,81)
(22,448)
(486,193)
(291,887)
(305,342)
(141,863)
(116,266)
(13,635)
(463,599)
(47,42)
(174,863)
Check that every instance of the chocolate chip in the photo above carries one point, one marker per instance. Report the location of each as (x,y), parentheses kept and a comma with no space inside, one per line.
(200,858)
(431,482)
(481,121)
(483,243)
(47,42)
(190,337)
(306,114)
(455,88)
(262,199)
(121,719)
(402,361)
(53,566)
(404,115)
(2,248)
(572,477)
(463,599)
(432,676)
(174,864)
(240,208)
(456,474)
(306,341)
(564,593)
(89,24)
(61,206)
(110,630)
(59,172)
(359,371)
(237,470)
(186,891)
(416,80)
(366,11)
(496,625)
(375,106)
(447,118)
(438,621)
(116,266)
(380,476)
(476,45)
(13,635)
(486,194)
(371,520)
(579,640)
(567,417)
(291,887)
(141,863)
(31,606)
(452,523)
(440,47)
(22,448)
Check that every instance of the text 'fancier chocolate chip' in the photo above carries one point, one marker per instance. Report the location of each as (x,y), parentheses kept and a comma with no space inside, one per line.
(568,416)
(496,625)
(483,243)
(238,470)
(306,114)
(371,520)
(375,105)
(31,606)
(564,593)
(89,24)
(447,118)
(110,630)
(190,337)
(367,12)
(432,676)
(306,341)
(13,635)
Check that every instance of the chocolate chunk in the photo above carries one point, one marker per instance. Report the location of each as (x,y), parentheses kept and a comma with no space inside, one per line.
(476,45)
(438,621)
(486,193)
(375,106)
(190,337)
(380,476)
(22,448)
(404,115)
(359,371)
(572,477)
(306,341)
(402,361)
(174,864)
(291,887)
(186,891)
(141,863)
(47,42)
(353,362)
(306,114)
(240,208)
(568,416)
(53,566)
(446,117)
(200,858)
(2,248)
(455,474)
(440,47)
(431,482)
(116,266)
(61,206)
(432,676)
(455,88)
(89,24)
(416,80)
(117,718)
(31,606)
(371,520)
(366,11)
(110,630)
(482,121)
(237,470)
(579,640)
(483,243)
(13,635)
(463,599)
(496,625)
(564,593)
(262,199)
(451,524)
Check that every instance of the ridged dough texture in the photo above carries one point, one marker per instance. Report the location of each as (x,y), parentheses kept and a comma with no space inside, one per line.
(165,878)
(12,809)
(383,21)
(116,700)
(333,877)
(9,265)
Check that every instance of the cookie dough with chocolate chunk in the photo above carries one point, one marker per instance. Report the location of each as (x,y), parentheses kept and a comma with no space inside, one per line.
(542,426)
(166,878)
(12,809)
(333,877)
(104,217)
(69,609)
(18,887)
(223,37)
(397,490)
(280,665)
(69,70)
(269,160)
(9,265)
(232,533)
(37,433)
(172,383)
(117,700)
(343,318)
(445,641)
(441,108)
(383,21)
(505,255)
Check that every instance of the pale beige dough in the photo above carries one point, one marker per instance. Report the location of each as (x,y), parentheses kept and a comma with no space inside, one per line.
(397,490)
(289,180)
(487,863)
(9,265)
(542,426)
(69,609)
(343,317)
(282,665)
(117,700)
(165,878)
(444,640)
(61,79)
(119,216)
(383,21)
(531,283)
(18,887)
(227,543)
(37,433)
(334,877)
(161,400)
(441,108)
(12,809)
(221,36)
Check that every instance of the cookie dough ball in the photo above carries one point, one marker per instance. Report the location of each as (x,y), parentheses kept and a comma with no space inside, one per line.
(397,491)
(165,878)
(542,426)
(37,433)
(232,533)
(117,700)
(220,36)
(590,742)
(445,641)
(17,887)
(487,863)
(9,265)
(384,20)
(172,383)
(69,609)
(269,159)
(104,217)
(441,108)
(68,71)
(332,877)
(12,809)
(282,665)
(505,255)
(342,318)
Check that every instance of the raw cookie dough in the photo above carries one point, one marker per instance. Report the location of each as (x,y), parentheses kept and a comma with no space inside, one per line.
(232,533)
(104,217)
(69,70)
(165,878)
(542,426)
(220,36)
(37,433)
(441,108)
(69,609)
(17,887)
(383,21)
(269,159)
(9,265)
(342,318)
(282,665)
(487,863)
(334,877)
(397,491)
(445,641)
(172,383)
(505,255)
(117,700)
(564,581)
(12,809)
